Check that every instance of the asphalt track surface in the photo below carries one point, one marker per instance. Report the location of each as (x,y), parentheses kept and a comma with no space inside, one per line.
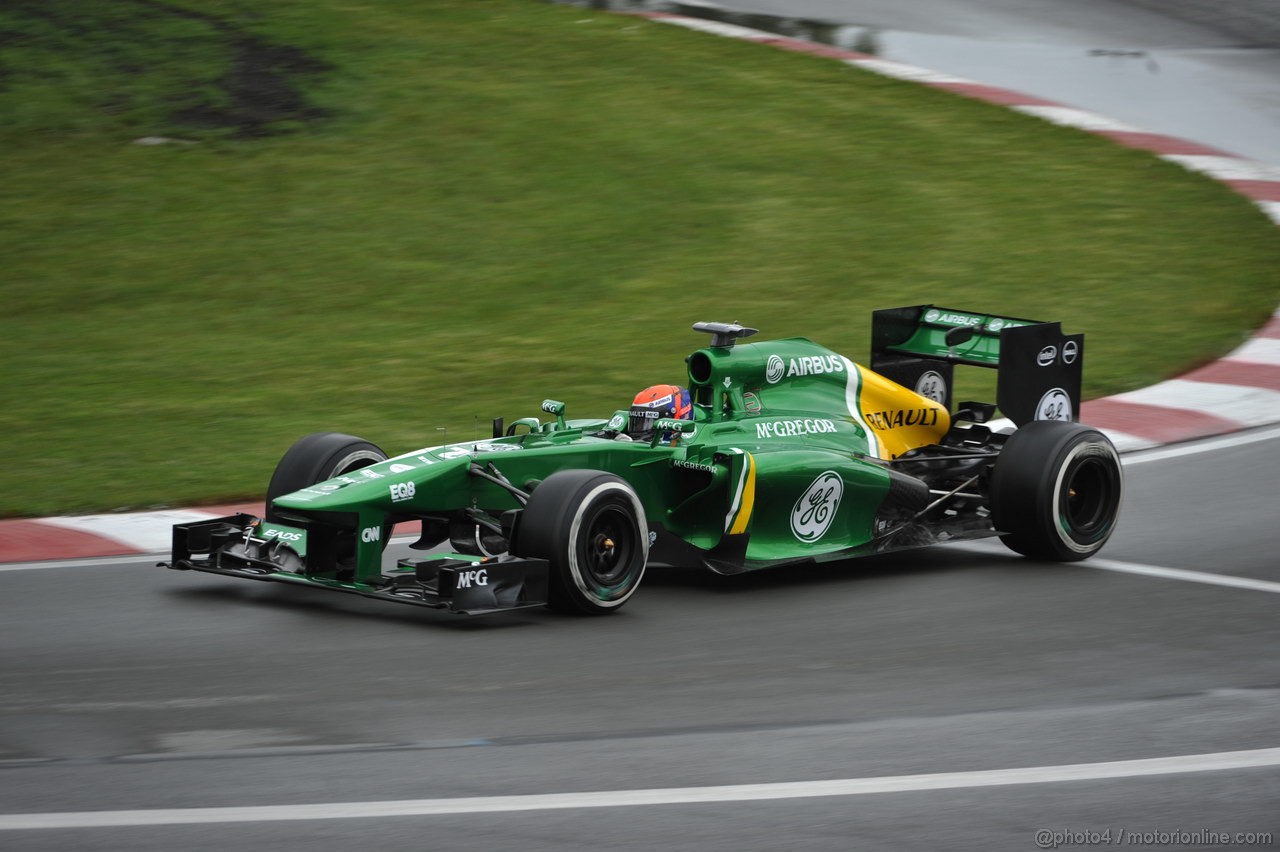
(127,687)
(1205,70)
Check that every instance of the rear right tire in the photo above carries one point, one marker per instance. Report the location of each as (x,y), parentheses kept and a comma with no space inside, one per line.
(316,458)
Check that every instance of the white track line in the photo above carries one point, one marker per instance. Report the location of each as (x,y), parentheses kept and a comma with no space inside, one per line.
(1184,575)
(987,547)
(1220,761)
(1203,446)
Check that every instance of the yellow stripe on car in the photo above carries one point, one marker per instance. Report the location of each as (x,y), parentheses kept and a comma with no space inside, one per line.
(748,498)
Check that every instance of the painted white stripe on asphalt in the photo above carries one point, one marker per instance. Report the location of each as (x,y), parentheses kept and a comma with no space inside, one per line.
(145,531)
(905,72)
(717,28)
(1210,445)
(1071,117)
(1271,208)
(1225,168)
(988,547)
(1183,575)
(1181,764)
(1259,350)
(1246,405)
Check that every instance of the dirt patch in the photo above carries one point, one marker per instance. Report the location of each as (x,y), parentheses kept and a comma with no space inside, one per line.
(189,69)
(259,90)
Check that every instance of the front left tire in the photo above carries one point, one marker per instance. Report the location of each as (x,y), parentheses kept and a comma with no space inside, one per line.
(590,527)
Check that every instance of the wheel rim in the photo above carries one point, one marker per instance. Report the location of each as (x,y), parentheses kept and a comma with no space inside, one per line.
(355,461)
(1089,498)
(609,543)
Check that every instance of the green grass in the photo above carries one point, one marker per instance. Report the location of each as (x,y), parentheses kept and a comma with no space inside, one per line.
(509,201)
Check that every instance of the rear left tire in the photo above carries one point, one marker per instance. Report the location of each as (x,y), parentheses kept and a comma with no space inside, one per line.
(1055,491)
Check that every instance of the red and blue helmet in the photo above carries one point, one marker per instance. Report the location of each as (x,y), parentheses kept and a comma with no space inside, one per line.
(654,403)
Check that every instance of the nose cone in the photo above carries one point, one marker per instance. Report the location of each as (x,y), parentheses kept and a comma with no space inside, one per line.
(401,484)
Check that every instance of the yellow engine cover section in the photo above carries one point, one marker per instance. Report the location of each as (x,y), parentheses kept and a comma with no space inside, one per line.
(899,419)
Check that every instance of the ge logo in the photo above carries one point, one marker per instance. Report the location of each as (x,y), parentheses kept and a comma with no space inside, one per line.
(774,368)
(932,386)
(816,508)
(1054,405)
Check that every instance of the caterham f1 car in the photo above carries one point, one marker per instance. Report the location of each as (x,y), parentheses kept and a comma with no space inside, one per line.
(789,453)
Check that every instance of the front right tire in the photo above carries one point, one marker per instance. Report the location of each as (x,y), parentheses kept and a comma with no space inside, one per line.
(316,458)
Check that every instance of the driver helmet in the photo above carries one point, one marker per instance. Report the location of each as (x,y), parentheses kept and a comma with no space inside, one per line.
(657,402)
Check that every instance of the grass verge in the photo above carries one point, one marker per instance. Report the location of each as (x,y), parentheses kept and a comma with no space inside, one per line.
(398,218)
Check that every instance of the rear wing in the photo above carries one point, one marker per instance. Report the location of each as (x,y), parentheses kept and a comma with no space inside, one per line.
(1039,368)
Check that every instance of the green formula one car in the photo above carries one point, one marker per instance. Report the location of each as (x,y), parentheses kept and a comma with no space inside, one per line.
(777,453)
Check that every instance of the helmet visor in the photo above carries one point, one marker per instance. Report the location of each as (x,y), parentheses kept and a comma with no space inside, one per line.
(640,424)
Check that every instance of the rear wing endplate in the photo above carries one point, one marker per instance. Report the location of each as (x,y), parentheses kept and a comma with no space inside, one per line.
(1039,368)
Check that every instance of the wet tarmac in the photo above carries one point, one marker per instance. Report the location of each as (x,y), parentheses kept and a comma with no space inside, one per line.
(1185,68)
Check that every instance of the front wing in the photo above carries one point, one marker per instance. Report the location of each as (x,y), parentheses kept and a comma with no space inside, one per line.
(244,546)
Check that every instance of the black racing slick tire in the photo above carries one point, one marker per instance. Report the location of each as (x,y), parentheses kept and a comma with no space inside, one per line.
(317,457)
(1055,491)
(590,526)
